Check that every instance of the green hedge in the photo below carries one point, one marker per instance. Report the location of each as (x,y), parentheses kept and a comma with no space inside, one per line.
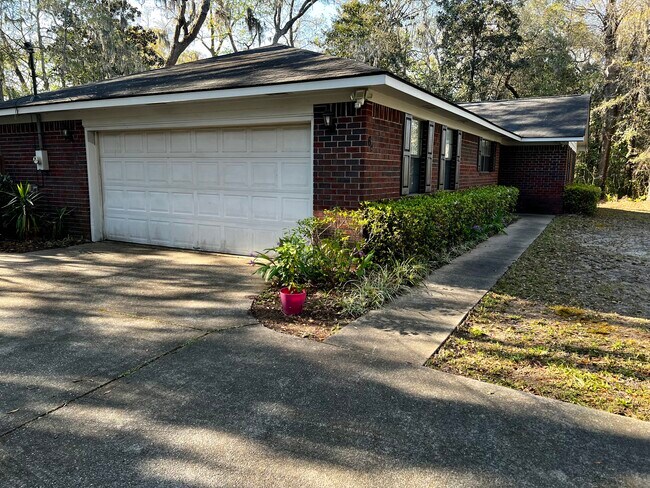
(581,199)
(423,226)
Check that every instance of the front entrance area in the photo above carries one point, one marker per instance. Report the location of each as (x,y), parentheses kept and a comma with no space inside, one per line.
(232,189)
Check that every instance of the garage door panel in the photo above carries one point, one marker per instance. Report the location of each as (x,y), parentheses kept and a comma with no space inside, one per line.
(138,230)
(235,140)
(180,142)
(207,174)
(133,143)
(226,189)
(111,144)
(182,204)
(136,200)
(295,175)
(210,237)
(159,202)
(160,232)
(206,141)
(264,239)
(296,140)
(114,199)
(182,234)
(236,174)
(237,240)
(156,142)
(236,206)
(265,175)
(182,173)
(294,209)
(209,205)
(157,172)
(264,140)
(265,208)
(112,171)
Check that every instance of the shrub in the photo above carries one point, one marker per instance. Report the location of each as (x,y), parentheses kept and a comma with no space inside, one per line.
(425,226)
(323,252)
(22,209)
(581,199)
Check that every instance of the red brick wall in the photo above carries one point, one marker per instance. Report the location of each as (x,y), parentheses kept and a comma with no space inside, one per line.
(540,172)
(469,174)
(66,182)
(360,159)
(383,163)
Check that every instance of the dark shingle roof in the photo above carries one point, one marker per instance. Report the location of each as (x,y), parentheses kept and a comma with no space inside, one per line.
(565,116)
(264,66)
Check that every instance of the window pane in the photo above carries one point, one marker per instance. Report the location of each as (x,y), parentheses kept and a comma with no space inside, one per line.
(448,144)
(416,138)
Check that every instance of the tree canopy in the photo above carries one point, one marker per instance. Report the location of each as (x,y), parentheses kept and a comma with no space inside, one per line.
(461,49)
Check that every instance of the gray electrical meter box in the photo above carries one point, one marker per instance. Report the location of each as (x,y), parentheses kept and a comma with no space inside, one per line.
(40,160)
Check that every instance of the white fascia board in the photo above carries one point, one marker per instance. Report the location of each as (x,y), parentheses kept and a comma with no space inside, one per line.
(552,139)
(292,88)
(449,107)
(285,88)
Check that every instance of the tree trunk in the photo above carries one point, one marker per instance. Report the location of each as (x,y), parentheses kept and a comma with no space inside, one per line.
(190,33)
(41,48)
(612,71)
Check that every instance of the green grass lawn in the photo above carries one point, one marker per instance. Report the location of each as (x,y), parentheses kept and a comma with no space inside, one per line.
(571,318)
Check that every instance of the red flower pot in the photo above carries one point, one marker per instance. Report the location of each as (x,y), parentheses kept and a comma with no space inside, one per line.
(292,302)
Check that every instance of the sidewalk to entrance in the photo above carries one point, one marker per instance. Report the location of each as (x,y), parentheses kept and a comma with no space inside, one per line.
(415,325)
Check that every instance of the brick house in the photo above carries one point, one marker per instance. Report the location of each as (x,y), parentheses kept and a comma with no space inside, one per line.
(225,153)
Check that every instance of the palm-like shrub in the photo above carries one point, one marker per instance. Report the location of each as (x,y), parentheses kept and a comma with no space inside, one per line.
(22,209)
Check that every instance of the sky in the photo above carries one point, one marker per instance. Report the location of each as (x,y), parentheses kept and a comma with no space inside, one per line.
(316,21)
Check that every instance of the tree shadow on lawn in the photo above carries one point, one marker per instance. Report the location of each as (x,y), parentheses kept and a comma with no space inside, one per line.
(250,406)
(597,263)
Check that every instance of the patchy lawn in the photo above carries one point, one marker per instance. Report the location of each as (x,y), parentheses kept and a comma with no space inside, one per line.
(20,246)
(571,319)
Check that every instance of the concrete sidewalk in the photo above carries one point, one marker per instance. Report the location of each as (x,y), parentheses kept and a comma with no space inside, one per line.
(414,326)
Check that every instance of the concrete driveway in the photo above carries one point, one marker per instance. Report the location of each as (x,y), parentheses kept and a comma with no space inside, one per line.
(146,370)
(76,318)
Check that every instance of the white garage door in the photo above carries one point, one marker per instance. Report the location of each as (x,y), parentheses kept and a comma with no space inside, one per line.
(228,189)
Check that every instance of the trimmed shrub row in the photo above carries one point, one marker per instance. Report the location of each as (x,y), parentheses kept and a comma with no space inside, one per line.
(581,199)
(423,226)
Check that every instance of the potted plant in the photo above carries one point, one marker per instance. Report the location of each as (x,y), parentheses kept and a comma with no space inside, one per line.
(292,299)
(287,265)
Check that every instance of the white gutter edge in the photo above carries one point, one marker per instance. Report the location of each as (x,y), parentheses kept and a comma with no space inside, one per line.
(449,107)
(297,87)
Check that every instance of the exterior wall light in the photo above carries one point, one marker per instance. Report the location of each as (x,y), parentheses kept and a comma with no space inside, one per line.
(328,120)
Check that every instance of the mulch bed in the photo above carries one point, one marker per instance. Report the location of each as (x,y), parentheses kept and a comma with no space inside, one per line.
(11,246)
(319,320)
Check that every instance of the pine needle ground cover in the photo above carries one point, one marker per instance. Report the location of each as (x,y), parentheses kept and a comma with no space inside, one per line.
(571,318)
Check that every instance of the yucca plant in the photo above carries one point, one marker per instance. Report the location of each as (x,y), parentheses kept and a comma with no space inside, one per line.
(22,210)
(57,221)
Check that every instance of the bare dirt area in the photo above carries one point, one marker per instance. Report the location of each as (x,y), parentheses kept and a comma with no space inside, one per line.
(321,316)
(30,245)
(571,318)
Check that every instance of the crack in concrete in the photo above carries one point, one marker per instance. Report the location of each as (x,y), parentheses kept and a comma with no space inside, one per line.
(124,374)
